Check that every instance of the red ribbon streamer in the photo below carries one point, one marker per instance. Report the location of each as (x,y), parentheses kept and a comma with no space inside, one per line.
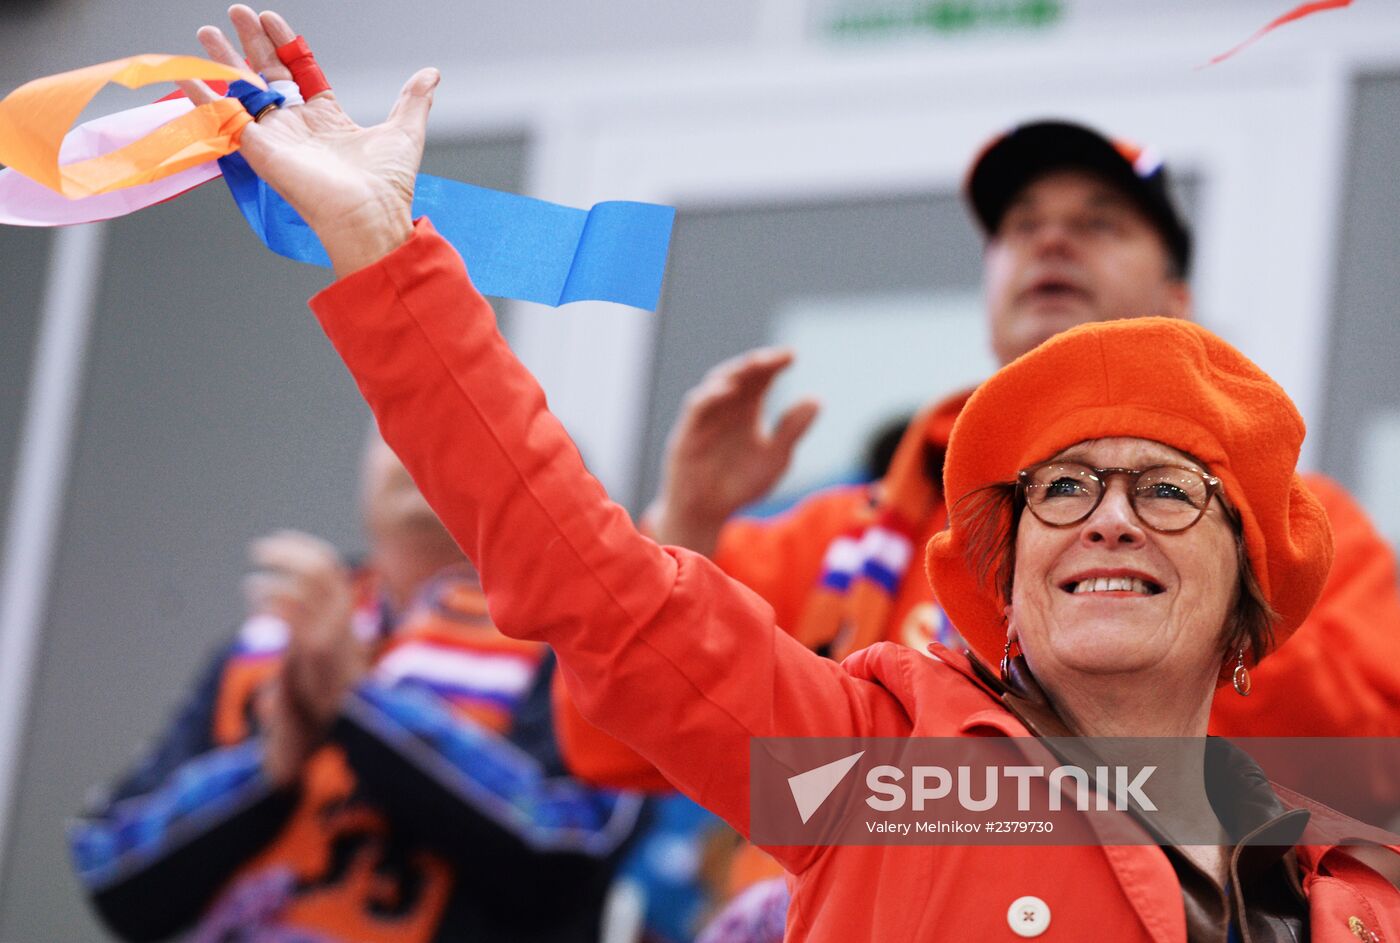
(296,56)
(217,86)
(1297,13)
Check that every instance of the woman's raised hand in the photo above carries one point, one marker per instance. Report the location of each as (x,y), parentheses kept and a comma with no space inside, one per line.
(352,185)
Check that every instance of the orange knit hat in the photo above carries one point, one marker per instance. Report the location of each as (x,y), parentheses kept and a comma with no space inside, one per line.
(1151,378)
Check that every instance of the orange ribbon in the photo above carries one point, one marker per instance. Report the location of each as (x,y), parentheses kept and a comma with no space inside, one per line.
(1297,13)
(35,117)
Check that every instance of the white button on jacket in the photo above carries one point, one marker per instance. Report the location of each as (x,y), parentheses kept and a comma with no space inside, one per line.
(1028,916)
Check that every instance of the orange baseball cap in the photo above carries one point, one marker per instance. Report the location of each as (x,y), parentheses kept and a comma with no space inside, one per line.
(1152,378)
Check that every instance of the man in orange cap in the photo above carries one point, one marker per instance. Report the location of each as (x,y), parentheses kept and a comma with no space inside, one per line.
(1079,229)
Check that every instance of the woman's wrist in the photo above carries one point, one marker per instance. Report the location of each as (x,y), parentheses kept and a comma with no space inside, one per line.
(369,236)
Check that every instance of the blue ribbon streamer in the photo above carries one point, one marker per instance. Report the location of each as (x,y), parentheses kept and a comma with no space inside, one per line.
(514,246)
(254,99)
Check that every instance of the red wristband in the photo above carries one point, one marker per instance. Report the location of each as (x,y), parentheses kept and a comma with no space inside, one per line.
(297,57)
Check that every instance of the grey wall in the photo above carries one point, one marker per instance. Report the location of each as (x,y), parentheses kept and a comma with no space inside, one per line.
(214,411)
(24,257)
(1364,377)
(731,267)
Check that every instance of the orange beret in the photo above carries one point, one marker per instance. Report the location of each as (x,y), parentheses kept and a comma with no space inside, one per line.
(1151,378)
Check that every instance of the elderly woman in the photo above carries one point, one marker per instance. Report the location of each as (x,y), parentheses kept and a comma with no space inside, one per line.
(1132,533)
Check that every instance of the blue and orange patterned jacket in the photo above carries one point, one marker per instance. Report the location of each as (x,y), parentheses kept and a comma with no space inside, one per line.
(438,809)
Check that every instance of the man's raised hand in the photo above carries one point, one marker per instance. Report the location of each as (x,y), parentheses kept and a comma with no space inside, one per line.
(721,455)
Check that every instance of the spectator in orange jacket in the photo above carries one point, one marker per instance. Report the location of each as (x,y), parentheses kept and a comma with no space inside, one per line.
(1168,463)
(1079,229)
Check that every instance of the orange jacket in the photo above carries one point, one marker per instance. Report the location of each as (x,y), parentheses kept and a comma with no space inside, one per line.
(664,651)
(1334,678)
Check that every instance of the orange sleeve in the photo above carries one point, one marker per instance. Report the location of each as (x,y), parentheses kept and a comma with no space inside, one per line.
(780,558)
(658,647)
(595,757)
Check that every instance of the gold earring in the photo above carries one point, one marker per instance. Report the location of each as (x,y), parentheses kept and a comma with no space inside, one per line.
(1006,662)
(1243,684)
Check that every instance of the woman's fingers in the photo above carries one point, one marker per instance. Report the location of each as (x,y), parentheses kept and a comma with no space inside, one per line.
(218,48)
(276,28)
(410,112)
(258,47)
(295,56)
(197,92)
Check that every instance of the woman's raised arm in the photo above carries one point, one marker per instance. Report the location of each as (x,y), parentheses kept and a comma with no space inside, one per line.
(657,646)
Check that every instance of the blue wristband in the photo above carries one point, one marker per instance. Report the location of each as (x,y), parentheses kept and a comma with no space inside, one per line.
(256,101)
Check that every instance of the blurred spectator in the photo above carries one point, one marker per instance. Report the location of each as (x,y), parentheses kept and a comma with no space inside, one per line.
(369,760)
(756,915)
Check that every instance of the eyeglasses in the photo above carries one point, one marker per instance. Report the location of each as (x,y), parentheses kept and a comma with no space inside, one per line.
(1167,498)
